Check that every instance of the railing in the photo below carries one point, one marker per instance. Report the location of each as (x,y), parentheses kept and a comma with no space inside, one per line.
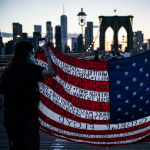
(2,68)
(6,56)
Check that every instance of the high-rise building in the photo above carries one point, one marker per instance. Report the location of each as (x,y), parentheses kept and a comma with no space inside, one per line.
(145,46)
(2,49)
(138,41)
(89,35)
(38,28)
(74,43)
(58,38)
(1,42)
(63,32)
(36,35)
(148,44)
(24,35)
(10,47)
(49,32)
(17,31)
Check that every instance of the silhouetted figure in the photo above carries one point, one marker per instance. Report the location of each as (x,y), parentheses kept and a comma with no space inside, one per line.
(113,55)
(96,56)
(18,86)
(119,56)
(127,54)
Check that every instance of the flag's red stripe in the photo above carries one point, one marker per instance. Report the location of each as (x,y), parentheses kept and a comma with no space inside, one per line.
(55,108)
(91,132)
(102,86)
(101,139)
(80,103)
(90,65)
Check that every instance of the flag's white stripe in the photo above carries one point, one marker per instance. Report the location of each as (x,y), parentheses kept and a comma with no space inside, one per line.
(79,92)
(82,93)
(44,124)
(66,105)
(86,126)
(41,63)
(75,71)
(117,142)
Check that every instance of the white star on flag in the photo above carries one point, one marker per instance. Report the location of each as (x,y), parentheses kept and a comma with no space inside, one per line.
(140,109)
(141,97)
(117,67)
(132,117)
(118,96)
(134,93)
(126,113)
(145,60)
(147,101)
(134,79)
(141,84)
(119,109)
(118,82)
(141,69)
(126,73)
(134,106)
(145,112)
(126,88)
(127,101)
(134,64)
(147,89)
(147,75)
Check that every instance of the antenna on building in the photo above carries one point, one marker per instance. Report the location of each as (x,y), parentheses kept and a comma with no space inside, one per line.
(63,9)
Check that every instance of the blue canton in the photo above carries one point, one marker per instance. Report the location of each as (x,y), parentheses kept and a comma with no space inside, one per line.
(129,88)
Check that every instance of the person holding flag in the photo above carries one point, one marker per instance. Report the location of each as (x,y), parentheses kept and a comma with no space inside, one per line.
(18,86)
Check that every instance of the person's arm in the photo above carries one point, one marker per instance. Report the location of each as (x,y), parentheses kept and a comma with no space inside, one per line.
(51,72)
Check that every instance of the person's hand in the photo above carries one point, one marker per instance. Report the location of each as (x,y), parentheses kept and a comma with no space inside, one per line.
(44,48)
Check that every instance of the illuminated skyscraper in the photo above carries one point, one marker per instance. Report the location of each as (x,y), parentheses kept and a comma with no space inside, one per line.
(74,43)
(38,28)
(137,41)
(63,32)
(49,32)
(17,31)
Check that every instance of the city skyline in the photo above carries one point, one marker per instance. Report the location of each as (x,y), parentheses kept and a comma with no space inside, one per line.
(19,11)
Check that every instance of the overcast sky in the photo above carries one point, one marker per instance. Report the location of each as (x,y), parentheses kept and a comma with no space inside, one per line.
(37,12)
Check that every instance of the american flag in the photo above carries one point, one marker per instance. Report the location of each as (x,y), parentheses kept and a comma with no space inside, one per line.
(103,103)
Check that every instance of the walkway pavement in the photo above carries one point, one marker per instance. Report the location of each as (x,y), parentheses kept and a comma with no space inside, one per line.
(48,142)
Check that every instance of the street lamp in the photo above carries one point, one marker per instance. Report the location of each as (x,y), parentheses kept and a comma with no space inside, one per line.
(82,20)
(107,46)
(123,38)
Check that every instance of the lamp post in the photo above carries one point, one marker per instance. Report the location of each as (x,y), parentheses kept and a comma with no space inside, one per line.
(82,20)
(107,46)
(123,38)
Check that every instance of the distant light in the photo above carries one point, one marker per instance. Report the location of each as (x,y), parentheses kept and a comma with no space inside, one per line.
(18,35)
(140,47)
(137,42)
(87,50)
(90,45)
